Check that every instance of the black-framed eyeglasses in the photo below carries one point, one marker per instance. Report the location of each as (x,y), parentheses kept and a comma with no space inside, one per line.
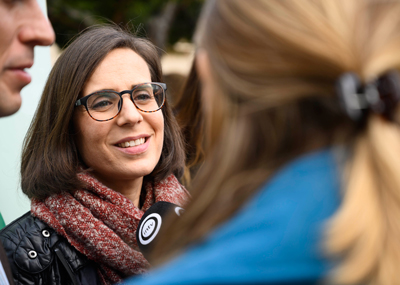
(105,105)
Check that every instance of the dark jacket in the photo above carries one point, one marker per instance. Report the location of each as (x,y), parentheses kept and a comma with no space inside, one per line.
(6,267)
(38,255)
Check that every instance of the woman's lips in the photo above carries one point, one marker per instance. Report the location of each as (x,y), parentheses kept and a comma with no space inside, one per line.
(137,146)
(130,143)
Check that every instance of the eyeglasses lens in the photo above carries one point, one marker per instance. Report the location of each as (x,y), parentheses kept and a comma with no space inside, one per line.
(148,97)
(105,105)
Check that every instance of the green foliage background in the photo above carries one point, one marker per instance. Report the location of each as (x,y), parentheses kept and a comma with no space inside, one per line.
(69,17)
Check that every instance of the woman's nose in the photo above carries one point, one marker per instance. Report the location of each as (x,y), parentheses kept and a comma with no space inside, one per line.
(129,114)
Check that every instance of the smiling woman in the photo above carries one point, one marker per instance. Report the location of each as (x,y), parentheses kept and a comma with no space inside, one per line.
(102,149)
(104,145)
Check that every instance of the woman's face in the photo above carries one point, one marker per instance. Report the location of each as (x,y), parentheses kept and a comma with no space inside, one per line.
(102,144)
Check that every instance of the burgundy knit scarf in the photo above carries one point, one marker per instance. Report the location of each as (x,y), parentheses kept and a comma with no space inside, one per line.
(101,223)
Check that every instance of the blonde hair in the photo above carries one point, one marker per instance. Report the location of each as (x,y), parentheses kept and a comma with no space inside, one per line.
(275,63)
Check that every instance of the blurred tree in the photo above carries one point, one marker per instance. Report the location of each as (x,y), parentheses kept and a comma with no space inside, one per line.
(163,22)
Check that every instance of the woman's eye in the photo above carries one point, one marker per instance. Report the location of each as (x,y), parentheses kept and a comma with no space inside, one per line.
(102,104)
(143,97)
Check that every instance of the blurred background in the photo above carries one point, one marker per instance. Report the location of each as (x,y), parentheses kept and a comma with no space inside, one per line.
(168,24)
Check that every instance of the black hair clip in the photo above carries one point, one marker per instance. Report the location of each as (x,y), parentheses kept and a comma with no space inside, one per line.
(379,96)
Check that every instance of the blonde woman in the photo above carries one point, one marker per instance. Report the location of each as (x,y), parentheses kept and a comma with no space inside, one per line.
(301,180)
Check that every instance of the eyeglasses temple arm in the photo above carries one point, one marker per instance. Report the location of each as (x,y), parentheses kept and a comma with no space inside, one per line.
(163,85)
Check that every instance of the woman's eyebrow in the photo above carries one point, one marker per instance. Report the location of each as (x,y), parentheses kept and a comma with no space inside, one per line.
(134,85)
(103,89)
(115,90)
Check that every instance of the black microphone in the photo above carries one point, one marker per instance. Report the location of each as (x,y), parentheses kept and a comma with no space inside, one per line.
(152,222)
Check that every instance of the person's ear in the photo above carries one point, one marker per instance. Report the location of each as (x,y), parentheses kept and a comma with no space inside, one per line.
(206,79)
(214,103)
(203,66)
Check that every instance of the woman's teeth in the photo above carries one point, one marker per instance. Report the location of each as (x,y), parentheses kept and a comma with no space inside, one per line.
(132,143)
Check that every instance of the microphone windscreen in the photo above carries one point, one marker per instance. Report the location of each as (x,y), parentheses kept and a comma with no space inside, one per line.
(152,222)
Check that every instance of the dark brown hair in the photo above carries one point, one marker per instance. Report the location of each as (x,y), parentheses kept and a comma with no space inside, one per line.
(50,158)
(189,114)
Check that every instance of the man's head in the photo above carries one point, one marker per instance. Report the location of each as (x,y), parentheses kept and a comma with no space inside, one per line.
(22,27)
